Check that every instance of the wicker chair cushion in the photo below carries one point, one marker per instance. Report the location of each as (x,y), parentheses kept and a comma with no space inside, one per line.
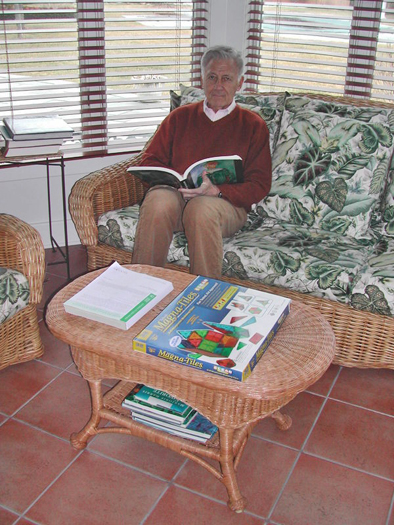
(320,262)
(117,228)
(329,166)
(14,293)
(373,288)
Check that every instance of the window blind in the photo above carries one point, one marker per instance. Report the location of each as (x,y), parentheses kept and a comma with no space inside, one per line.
(323,47)
(39,60)
(105,66)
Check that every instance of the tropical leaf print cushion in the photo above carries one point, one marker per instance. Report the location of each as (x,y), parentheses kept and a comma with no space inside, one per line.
(374,285)
(14,293)
(117,228)
(318,262)
(269,107)
(388,220)
(329,170)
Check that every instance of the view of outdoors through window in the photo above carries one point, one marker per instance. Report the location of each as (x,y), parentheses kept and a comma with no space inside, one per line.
(312,46)
(107,72)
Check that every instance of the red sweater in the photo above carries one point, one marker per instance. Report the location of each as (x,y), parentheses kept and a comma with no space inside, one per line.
(187,135)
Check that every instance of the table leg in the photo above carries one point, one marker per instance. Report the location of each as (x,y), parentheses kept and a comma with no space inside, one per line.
(80,439)
(283,421)
(236,501)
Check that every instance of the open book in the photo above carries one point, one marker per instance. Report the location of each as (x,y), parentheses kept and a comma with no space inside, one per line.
(118,297)
(220,170)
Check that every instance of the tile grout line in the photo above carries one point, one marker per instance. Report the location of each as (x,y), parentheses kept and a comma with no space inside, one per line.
(391,510)
(170,483)
(23,515)
(354,405)
(38,429)
(127,465)
(301,450)
(350,467)
(61,371)
(15,513)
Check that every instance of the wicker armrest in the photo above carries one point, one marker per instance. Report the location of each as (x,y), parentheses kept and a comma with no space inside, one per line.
(22,249)
(104,190)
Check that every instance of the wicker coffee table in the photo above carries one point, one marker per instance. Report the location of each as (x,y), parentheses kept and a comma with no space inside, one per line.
(300,353)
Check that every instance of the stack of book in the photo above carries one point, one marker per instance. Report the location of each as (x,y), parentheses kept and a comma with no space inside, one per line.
(160,410)
(34,136)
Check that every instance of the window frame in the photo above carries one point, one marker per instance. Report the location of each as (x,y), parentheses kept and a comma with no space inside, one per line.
(367,70)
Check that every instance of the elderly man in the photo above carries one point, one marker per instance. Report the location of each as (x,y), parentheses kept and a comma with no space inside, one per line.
(213,127)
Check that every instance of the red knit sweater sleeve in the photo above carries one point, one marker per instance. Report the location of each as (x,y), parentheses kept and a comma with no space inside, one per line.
(187,135)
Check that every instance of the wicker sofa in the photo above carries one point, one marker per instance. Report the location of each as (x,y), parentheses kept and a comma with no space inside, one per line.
(22,272)
(325,233)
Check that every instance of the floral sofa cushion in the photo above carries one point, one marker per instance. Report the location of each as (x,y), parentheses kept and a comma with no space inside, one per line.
(269,106)
(319,262)
(373,289)
(14,293)
(329,168)
(380,120)
(386,226)
(307,260)
(385,220)
(117,228)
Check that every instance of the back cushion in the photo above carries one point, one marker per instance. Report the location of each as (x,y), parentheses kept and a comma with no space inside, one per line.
(330,165)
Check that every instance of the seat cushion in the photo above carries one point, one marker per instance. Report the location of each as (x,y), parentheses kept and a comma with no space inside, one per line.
(319,262)
(373,288)
(117,228)
(299,258)
(14,293)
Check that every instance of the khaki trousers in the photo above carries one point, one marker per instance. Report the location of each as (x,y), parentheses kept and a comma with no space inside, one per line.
(204,220)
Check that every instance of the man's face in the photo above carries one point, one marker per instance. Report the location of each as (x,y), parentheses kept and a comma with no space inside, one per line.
(220,82)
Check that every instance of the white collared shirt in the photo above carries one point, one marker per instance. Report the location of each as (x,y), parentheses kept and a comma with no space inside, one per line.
(212,115)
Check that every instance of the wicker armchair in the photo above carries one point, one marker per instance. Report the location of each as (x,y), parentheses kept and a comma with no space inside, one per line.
(21,249)
(104,190)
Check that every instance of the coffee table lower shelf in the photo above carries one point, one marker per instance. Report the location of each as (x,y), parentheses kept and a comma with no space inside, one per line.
(225,447)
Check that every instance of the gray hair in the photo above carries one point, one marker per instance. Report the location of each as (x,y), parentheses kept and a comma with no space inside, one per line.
(222,53)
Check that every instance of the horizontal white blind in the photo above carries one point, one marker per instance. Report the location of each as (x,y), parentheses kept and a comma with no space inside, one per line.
(321,47)
(383,72)
(39,60)
(105,66)
(148,52)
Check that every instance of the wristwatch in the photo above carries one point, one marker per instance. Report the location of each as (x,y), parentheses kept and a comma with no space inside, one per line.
(220,195)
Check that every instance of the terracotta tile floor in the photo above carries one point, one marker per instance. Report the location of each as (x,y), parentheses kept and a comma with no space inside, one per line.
(335,466)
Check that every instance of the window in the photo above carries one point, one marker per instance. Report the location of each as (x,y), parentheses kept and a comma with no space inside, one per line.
(335,47)
(105,66)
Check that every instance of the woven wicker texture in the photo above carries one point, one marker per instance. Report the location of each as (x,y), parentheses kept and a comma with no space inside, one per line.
(299,354)
(364,340)
(21,249)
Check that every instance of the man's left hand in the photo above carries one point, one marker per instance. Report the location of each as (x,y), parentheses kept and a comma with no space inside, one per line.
(206,188)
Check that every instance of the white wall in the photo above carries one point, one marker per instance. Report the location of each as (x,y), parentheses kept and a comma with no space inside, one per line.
(23,190)
(23,193)
(227,23)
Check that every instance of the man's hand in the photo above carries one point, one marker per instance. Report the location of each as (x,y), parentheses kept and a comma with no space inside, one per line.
(206,188)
